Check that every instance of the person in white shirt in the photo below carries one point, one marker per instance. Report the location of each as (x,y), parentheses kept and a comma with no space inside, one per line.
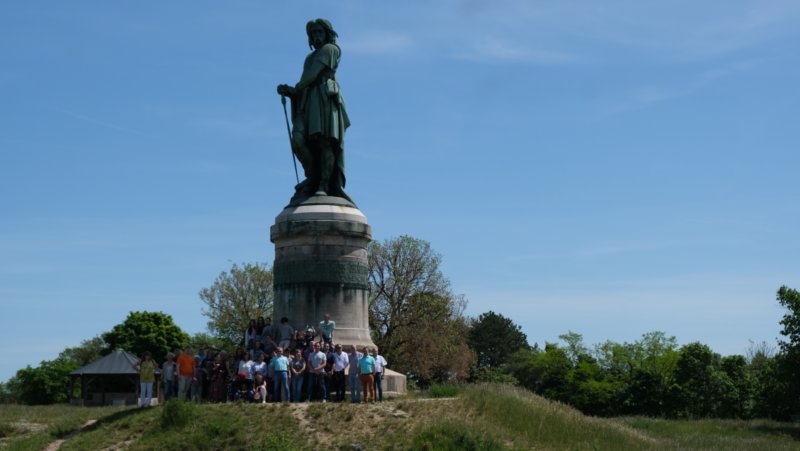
(380,365)
(246,366)
(340,364)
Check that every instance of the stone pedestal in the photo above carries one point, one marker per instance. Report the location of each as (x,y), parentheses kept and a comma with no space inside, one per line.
(321,267)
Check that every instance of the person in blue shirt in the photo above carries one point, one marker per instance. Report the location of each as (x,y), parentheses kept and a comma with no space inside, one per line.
(280,366)
(367,375)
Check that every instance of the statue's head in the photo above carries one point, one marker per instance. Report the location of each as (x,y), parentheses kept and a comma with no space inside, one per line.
(315,26)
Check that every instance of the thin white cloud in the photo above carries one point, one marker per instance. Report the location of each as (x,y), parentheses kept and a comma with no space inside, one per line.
(499,50)
(678,30)
(644,96)
(379,43)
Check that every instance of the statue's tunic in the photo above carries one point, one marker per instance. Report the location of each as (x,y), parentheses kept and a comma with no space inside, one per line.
(321,105)
(323,111)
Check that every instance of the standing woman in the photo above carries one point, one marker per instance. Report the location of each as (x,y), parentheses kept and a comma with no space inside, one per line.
(147,375)
(298,369)
(169,373)
(218,387)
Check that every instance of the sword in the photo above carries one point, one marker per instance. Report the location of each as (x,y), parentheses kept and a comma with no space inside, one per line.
(291,143)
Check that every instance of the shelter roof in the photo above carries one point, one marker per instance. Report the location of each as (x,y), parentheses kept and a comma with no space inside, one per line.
(118,362)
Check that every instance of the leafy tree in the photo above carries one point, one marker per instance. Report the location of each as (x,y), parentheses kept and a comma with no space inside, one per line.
(701,388)
(645,369)
(784,395)
(88,351)
(543,372)
(575,348)
(235,297)
(790,299)
(417,321)
(495,338)
(208,341)
(591,389)
(147,331)
(739,403)
(46,384)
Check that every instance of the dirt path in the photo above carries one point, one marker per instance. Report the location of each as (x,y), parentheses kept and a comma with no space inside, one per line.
(57,444)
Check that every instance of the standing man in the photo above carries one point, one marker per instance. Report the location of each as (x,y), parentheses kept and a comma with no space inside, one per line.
(380,364)
(319,116)
(316,361)
(340,364)
(366,368)
(353,371)
(285,333)
(328,350)
(280,366)
(185,372)
(269,333)
(326,327)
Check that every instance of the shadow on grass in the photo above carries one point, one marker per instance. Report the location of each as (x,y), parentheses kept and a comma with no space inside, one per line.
(787,429)
(116,416)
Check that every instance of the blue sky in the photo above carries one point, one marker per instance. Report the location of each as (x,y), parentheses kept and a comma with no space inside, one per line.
(609,168)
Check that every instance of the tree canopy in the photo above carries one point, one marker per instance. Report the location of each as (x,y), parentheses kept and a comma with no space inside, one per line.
(147,331)
(235,297)
(416,320)
(495,338)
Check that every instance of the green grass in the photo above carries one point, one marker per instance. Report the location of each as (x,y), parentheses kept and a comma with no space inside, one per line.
(479,417)
(185,426)
(719,434)
(34,427)
(443,391)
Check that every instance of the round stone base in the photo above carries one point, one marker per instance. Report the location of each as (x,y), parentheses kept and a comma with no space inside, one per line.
(321,267)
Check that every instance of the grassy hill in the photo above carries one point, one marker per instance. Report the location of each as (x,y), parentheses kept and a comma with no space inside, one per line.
(479,417)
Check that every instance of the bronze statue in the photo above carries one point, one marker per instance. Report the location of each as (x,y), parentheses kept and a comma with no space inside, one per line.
(319,116)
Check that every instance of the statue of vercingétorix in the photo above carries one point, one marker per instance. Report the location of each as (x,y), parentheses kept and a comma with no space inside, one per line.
(319,117)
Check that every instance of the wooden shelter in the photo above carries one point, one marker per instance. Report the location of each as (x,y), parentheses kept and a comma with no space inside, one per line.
(110,380)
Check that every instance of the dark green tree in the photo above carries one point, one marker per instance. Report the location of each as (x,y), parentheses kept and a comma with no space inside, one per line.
(146,331)
(701,388)
(236,297)
(85,353)
(785,393)
(46,384)
(543,372)
(790,299)
(494,338)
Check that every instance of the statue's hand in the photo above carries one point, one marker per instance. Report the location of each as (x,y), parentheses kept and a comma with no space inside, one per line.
(285,90)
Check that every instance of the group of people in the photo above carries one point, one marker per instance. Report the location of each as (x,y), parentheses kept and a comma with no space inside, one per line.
(277,364)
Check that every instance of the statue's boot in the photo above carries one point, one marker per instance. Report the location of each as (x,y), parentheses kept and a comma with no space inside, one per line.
(302,186)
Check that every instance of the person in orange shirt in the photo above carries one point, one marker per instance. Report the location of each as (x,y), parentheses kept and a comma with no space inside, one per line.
(186,365)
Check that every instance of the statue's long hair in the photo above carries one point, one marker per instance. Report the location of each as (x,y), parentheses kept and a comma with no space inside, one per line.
(329,31)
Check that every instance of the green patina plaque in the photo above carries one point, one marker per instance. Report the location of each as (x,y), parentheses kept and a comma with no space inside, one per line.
(353,274)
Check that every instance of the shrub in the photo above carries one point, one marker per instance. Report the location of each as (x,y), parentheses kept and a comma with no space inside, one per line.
(177,414)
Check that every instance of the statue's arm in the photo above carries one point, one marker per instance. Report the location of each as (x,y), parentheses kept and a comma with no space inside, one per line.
(309,75)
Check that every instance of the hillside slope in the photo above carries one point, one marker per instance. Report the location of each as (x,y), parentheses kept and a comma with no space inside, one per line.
(480,417)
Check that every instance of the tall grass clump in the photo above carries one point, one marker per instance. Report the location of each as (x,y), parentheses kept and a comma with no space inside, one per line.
(443,391)
(177,414)
(453,437)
